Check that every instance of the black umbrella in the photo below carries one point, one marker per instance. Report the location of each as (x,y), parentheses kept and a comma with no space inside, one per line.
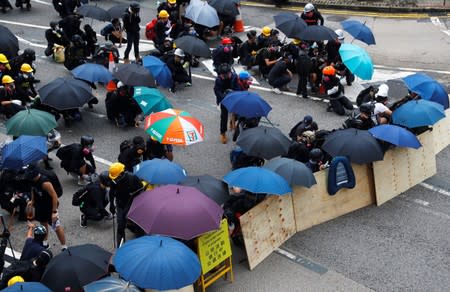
(225,7)
(358,145)
(9,44)
(94,12)
(76,267)
(264,142)
(193,46)
(290,24)
(117,10)
(317,33)
(64,93)
(214,188)
(295,172)
(135,75)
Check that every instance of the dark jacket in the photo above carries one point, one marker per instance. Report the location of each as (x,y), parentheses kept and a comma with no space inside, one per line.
(95,197)
(131,22)
(219,56)
(330,82)
(124,189)
(222,86)
(72,157)
(160,31)
(314,19)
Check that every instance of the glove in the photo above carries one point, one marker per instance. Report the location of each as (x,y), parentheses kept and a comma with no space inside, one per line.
(253,53)
(16,101)
(112,209)
(332,90)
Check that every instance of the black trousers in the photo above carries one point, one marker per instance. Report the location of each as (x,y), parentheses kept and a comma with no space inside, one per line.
(121,224)
(223,119)
(339,104)
(132,40)
(302,82)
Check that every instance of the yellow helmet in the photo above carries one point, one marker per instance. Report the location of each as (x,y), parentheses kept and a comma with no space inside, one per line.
(172,1)
(7,79)
(116,169)
(163,14)
(26,68)
(266,31)
(296,41)
(3,59)
(14,280)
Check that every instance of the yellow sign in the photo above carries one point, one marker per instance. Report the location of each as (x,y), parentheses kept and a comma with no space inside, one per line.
(214,247)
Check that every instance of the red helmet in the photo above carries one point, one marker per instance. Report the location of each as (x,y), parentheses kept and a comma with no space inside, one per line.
(227,41)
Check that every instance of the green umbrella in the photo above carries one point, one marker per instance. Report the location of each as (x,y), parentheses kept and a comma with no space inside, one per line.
(150,99)
(30,122)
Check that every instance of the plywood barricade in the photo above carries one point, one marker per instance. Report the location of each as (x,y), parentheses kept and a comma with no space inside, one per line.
(441,133)
(266,226)
(314,205)
(403,168)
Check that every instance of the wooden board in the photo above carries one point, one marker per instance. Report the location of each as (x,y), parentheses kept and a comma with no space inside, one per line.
(267,226)
(314,205)
(441,133)
(403,168)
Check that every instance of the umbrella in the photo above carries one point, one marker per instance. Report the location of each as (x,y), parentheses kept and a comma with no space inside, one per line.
(295,172)
(212,187)
(193,46)
(157,262)
(202,13)
(150,99)
(160,171)
(75,267)
(117,10)
(92,73)
(176,211)
(135,75)
(258,180)
(65,93)
(94,12)
(359,31)
(31,122)
(290,24)
(23,151)
(159,70)
(264,142)
(358,145)
(418,113)
(225,7)
(357,60)
(9,44)
(246,104)
(427,88)
(27,286)
(173,126)
(111,284)
(317,33)
(395,135)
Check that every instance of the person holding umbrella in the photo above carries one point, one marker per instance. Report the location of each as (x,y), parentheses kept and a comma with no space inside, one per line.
(131,22)
(311,15)
(335,91)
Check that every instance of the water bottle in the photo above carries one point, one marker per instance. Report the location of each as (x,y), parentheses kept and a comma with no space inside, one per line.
(157,4)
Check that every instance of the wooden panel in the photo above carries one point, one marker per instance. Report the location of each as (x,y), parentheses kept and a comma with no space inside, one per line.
(267,226)
(314,206)
(403,168)
(441,133)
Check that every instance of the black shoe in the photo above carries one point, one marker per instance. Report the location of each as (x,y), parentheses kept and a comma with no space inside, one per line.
(329,109)
(83,221)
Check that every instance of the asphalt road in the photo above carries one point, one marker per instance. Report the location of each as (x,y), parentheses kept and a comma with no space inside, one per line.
(402,245)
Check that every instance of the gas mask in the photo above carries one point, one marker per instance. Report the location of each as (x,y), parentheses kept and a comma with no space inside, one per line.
(228,49)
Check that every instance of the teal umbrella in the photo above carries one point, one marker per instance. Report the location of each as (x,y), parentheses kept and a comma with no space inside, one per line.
(30,122)
(357,60)
(150,99)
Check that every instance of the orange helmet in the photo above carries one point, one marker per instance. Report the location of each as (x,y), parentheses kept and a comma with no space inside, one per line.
(329,70)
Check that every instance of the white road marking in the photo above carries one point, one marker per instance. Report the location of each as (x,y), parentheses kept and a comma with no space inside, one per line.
(30,43)
(435,189)
(237,68)
(23,24)
(42,2)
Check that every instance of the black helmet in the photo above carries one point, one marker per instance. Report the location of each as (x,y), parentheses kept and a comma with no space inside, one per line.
(39,232)
(30,54)
(31,172)
(44,258)
(86,140)
(366,108)
(54,24)
(135,7)
(77,39)
(104,178)
(315,154)
(224,68)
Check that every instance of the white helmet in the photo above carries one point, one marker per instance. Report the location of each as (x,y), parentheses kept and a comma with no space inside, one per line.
(383,90)
(179,52)
(340,34)
(308,8)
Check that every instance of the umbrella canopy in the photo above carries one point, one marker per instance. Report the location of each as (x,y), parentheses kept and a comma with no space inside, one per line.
(23,151)
(92,73)
(9,44)
(359,31)
(418,113)
(160,171)
(317,33)
(264,142)
(27,287)
(173,126)
(246,104)
(202,13)
(427,88)
(117,10)
(157,262)
(150,99)
(290,24)
(358,145)
(395,135)
(111,284)
(94,12)
(193,46)
(357,61)
(159,70)
(293,171)
(176,211)
(225,7)
(31,122)
(258,180)
(212,187)
(135,75)
(65,93)
(76,267)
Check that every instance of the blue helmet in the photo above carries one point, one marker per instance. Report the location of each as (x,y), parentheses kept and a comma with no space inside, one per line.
(243,75)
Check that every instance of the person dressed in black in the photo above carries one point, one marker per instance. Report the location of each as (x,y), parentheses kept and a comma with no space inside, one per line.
(303,67)
(335,91)
(154,149)
(175,62)
(54,36)
(173,8)
(248,49)
(134,154)
(300,148)
(68,7)
(20,4)
(5,4)
(311,16)
(34,243)
(90,36)
(114,32)
(76,54)
(363,118)
(279,75)
(121,107)
(101,54)
(9,102)
(267,57)
(25,84)
(307,124)
(223,53)
(71,25)
(131,22)
(315,162)
(27,57)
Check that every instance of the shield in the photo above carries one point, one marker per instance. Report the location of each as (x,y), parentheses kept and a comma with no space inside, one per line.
(9,44)
(65,93)
(31,122)
(357,61)
(23,151)
(293,171)
(418,113)
(94,12)
(246,104)
(150,99)
(193,46)
(359,31)
(427,88)
(135,75)
(263,142)
(159,70)
(290,24)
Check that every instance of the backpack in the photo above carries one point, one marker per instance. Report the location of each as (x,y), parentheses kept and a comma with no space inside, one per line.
(124,145)
(79,196)
(106,29)
(53,178)
(150,32)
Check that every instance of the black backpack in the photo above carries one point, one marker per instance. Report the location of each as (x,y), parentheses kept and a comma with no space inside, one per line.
(124,145)
(79,196)
(53,178)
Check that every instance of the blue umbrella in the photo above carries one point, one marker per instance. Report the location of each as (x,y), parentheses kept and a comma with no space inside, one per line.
(24,150)
(92,73)
(157,262)
(418,113)
(357,60)
(27,286)
(359,31)
(427,88)
(150,99)
(258,180)
(160,171)
(395,135)
(159,70)
(246,104)
(111,284)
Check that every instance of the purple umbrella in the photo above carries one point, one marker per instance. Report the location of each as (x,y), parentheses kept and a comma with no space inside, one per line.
(175,211)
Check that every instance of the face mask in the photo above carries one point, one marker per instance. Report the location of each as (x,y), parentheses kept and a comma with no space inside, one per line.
(86,151)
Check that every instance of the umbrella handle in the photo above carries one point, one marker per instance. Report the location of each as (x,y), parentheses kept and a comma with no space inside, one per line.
(269,121)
